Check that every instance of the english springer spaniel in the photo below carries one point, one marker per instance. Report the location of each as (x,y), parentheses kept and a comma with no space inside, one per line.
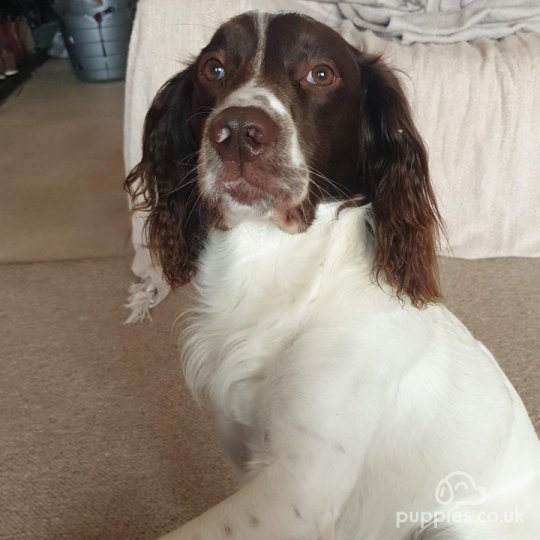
(282,172)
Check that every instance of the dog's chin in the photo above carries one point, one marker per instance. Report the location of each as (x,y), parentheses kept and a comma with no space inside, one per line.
(232,211)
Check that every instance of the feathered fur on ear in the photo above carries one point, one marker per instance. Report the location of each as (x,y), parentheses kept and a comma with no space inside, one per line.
(164,182)
(394,170)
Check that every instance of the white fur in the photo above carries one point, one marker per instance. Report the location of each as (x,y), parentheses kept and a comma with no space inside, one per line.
(261,23)
(340,405)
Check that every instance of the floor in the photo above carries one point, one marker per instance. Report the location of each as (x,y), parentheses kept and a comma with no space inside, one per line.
(62,192)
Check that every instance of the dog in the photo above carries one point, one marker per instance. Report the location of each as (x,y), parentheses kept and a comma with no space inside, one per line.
(282,173)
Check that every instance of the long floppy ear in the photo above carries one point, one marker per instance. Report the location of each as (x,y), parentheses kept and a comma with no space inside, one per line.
(164,182)
(394,169)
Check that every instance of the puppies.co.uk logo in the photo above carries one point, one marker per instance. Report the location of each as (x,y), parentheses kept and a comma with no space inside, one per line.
(459,488)
(454,491)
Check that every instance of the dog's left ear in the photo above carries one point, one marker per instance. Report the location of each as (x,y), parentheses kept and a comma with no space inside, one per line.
(394,172)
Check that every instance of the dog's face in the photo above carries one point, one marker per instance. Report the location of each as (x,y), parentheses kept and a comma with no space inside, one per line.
(283,131)
(277,113)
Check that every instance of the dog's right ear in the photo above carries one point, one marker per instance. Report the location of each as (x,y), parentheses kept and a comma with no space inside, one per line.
(164,183)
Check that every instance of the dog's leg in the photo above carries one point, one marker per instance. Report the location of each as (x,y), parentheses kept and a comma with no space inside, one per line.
(270,507)
(305,470)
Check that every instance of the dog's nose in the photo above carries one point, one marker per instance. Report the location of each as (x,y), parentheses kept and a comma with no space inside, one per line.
(242,133)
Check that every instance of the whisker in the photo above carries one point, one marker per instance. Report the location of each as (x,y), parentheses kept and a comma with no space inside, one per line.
(199,199)
(323,192)
(318,175)
(187,159)
(205,111)
(181,184)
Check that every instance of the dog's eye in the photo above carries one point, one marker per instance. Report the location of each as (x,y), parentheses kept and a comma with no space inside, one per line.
(321,76)
(213,70)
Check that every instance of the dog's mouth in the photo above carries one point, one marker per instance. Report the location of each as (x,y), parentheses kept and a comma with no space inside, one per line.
(250,184)
(237,191)
(243,192)
(239,199)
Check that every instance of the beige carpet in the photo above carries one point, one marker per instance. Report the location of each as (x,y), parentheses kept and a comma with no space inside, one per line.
(98,437)
(61,168)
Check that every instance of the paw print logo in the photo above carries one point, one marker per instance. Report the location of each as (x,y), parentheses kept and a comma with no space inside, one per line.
(459,488)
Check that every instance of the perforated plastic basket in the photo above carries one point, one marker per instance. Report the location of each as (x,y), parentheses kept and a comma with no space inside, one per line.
(97,37)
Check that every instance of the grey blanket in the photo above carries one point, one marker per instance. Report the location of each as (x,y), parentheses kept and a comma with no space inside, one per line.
(442,21)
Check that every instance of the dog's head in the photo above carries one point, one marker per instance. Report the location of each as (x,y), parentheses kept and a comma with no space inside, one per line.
(277,113)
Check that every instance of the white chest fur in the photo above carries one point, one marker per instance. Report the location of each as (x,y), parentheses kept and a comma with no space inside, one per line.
(298,317)
(257,289)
